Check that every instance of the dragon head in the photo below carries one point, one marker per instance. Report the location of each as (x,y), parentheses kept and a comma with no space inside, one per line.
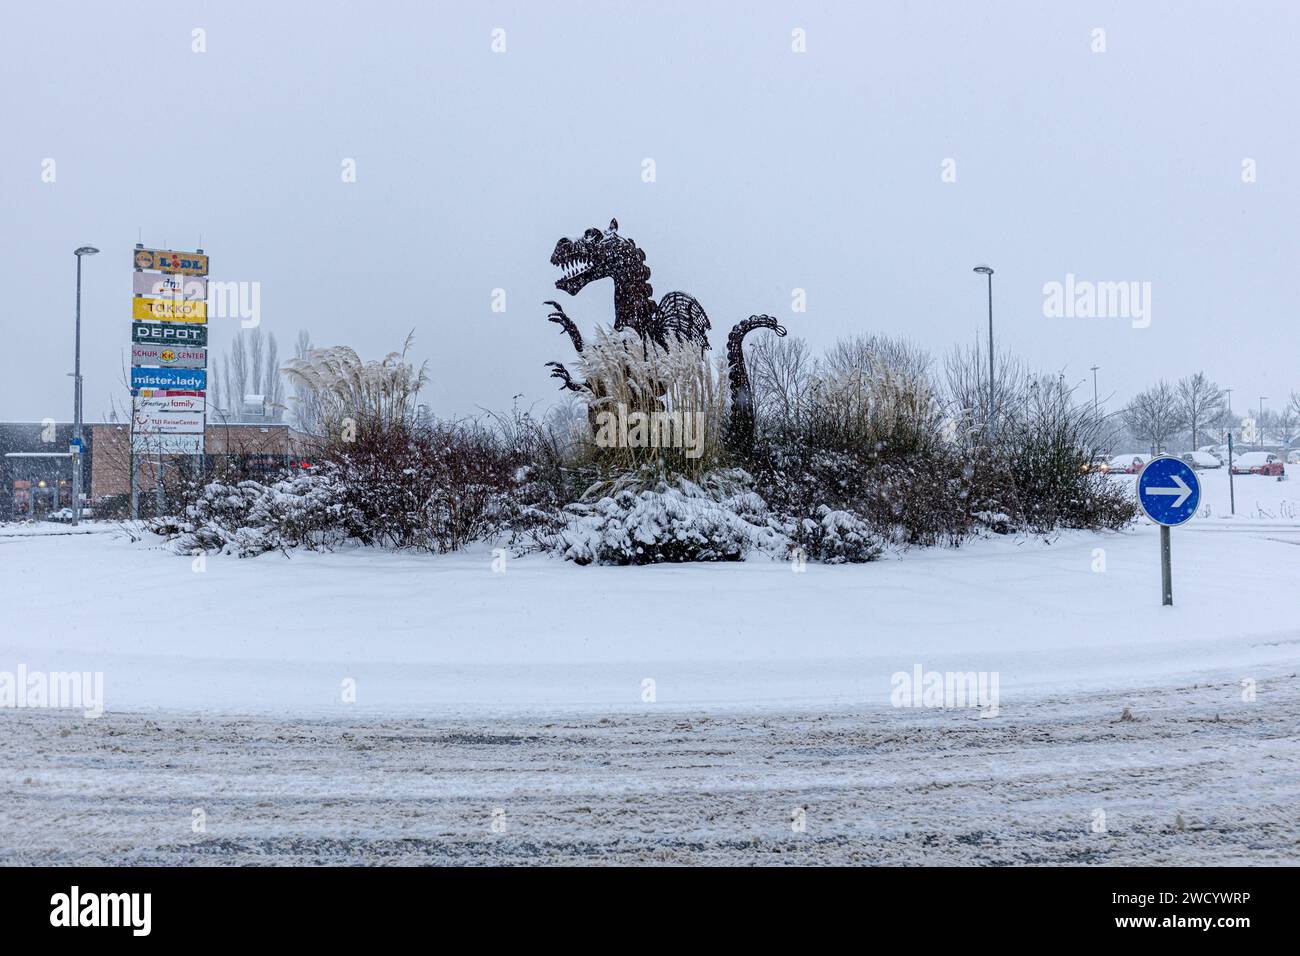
(596,254)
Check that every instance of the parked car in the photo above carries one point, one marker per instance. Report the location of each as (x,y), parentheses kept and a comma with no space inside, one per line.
(1201,459)
(65,514)
(1258,463)
(1127,464)
(1100,464)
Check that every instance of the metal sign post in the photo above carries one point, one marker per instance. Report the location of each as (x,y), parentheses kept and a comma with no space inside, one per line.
(169,360)
(135,486)
(1166,569)
(1168,492)
(1232,492)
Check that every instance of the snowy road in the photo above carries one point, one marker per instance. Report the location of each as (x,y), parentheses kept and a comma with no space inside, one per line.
(877,786)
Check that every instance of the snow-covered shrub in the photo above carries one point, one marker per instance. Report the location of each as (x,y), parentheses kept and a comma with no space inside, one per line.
(834,537)
(918,498)
(250,518)
(435,486)
(682,521)
(409,481)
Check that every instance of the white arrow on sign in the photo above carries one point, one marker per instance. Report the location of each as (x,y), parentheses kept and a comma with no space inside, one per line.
(1182,491)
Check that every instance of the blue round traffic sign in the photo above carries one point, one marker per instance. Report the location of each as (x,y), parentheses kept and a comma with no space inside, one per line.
(1168,490)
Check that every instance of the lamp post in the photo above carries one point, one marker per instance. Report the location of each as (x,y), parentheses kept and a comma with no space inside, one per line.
(76,393)
(1093,369)
(988,271)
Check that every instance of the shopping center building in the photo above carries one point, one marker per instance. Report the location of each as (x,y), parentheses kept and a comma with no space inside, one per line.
(36,469)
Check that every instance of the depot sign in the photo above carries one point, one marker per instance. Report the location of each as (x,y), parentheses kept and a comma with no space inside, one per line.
(164,333)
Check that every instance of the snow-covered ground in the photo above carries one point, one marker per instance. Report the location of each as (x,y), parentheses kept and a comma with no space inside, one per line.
(672,712)
(421,634)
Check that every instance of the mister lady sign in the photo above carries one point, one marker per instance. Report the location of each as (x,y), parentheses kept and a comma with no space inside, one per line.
(170,378)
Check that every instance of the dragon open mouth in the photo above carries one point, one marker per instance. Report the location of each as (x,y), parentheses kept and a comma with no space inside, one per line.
(575,268)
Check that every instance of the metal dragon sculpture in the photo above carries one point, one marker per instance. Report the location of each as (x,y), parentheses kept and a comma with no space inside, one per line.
(601,254)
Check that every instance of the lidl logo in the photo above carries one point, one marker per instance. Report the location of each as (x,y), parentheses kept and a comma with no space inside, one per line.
(164,260)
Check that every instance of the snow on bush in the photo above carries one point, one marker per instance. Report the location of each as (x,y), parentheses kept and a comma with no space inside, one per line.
(835,537)
(249,518)
(671,522)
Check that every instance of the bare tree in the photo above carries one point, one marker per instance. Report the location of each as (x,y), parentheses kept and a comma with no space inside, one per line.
(308,412)
(272,377)
(1223,423)
(1155,416)
(256,348)
(1200,403)
(1285,423)
(249,367)
(783,372)
(967,379)
(234,367)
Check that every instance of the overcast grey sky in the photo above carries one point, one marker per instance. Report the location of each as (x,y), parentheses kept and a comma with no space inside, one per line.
(775,170)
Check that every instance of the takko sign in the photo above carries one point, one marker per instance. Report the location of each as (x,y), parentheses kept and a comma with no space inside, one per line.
(165,260)
(169,310)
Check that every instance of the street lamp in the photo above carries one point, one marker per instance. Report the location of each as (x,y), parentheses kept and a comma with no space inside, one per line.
(988,271)
(1093,369)
(76,393)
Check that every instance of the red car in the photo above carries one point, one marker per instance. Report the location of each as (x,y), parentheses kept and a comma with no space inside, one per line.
(1126,464)
(1258,463)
